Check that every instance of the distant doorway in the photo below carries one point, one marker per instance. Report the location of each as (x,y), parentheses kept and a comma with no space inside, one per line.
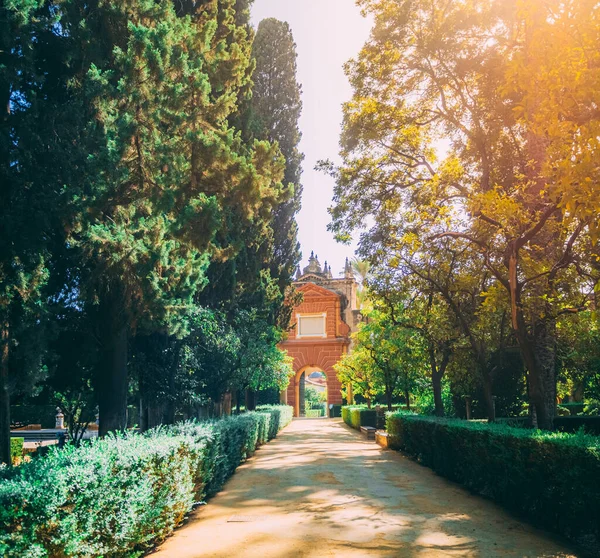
(312,394)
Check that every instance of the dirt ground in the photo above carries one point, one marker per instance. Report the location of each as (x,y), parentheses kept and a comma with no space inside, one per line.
(320,489)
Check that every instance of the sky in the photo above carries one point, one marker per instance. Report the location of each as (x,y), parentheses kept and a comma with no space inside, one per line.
(327,34)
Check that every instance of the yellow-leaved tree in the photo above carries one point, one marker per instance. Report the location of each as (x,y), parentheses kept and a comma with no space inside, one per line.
(476,121)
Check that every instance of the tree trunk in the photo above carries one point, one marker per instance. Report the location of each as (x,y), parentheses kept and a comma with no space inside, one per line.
(388,398)
(4,399)
(156,412)
(436,381)
(407,397)
(153,413)
(488,396)
(545,391)
(539,357)
(250,400)
(437,373)
(227,403)
(112,383)
(143,414)
(169,405)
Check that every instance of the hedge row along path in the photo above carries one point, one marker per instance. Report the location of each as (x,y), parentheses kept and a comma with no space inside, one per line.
(320,489)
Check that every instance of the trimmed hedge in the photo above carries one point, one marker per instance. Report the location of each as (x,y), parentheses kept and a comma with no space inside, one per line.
(121,495)
(281,416)
(573,423)
(16,448)
(357,416)
(45,415)
(552,478)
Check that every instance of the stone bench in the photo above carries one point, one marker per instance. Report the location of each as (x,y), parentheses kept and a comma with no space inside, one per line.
(35,434)
(369,431)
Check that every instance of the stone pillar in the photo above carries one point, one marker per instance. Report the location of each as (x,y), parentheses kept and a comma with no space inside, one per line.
(60,419)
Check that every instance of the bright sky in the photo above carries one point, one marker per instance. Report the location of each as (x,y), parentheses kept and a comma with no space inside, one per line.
(327,34)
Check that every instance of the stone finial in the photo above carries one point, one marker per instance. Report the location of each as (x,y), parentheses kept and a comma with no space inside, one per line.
(313,265)
(348,272)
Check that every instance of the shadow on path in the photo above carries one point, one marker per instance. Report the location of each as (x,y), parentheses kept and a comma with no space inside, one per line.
(320,489)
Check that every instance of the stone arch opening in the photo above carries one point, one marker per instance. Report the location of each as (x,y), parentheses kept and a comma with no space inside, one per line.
(293,395)
(311,392)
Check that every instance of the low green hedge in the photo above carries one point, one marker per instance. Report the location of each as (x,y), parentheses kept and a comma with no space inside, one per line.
(16,448)
(281,416)
(552,478)
(357,416)
(121,495)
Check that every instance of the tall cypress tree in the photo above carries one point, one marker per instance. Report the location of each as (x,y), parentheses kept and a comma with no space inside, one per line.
(273,115)
(166,169)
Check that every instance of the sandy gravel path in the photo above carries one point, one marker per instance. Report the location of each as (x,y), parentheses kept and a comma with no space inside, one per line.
(320,489)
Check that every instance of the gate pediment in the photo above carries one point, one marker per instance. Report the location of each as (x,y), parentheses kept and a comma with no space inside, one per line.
(313,290)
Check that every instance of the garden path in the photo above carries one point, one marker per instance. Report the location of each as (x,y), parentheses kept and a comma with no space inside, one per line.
(320,489)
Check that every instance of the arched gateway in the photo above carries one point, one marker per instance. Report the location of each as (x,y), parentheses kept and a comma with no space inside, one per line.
(320,331)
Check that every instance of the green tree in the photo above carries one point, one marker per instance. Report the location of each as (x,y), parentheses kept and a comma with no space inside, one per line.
(393,354)
(35,132)
(450,275)
(272,115)
(424,312)
(578,351)
(142,99)
(356,368)
(165,171)
(259,363)
(445,130)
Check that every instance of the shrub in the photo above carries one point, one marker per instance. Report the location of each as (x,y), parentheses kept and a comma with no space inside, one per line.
(16,449)
(591,407)
(120,495)
(573,423)
(357,416)
(551,478)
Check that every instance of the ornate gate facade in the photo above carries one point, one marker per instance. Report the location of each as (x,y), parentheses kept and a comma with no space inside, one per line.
(320,331)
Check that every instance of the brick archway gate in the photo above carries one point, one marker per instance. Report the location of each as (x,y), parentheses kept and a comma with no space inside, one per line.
(320,335)
(311,359)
